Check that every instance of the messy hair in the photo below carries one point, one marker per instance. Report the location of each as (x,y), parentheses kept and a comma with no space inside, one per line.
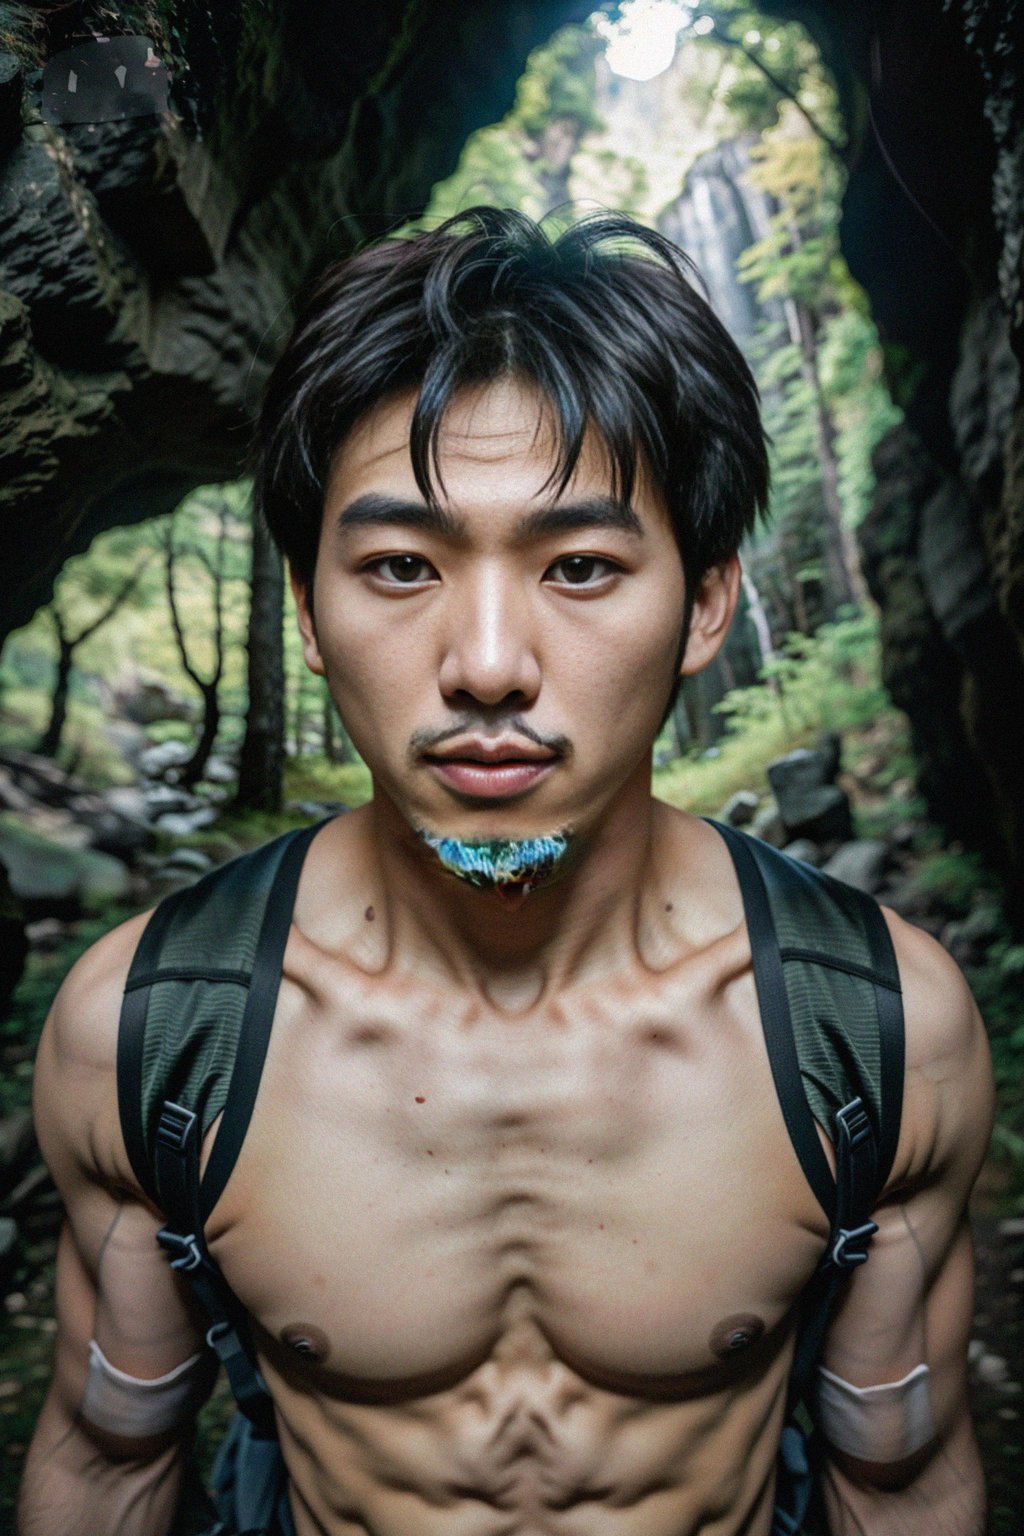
(603,319)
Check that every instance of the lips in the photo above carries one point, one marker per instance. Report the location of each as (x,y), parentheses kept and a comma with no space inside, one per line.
(491,770)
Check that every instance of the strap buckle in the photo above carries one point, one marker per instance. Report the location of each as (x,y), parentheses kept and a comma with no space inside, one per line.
(189,1254)
(850,1246)
(223,1340)
(854,1120)
(175,1126)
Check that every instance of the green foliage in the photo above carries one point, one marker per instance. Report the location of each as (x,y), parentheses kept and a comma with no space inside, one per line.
(558,83)
(826,681)
(502,165)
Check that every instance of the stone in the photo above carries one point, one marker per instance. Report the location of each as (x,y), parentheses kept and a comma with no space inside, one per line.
(12,796)
(155,761)
(109,831)
(859,863)
(822,814)
(51,879)
(128,801)
(183,824)
(803,848)
(810,806)
(192,859)
(769,826)
(991,1369)
(217,771)
(740,809)
(830,746)
(47,935)
(164,798)
(147,700)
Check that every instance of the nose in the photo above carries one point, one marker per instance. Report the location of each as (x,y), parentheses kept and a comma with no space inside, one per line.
(489,654)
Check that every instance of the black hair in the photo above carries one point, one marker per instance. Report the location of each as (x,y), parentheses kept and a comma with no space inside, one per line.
(603,319)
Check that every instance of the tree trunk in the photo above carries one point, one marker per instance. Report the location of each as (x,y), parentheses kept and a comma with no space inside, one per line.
(49,742)
(194,769)
(261,765)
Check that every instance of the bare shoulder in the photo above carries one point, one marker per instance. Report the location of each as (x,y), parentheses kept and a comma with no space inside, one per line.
(948,1087)
(75,1085)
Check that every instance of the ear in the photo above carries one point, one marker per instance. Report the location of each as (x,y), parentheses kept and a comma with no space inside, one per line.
(713,608)
(301,591)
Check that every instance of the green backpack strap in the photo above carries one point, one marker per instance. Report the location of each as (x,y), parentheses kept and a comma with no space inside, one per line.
(195,1024)
(829,993)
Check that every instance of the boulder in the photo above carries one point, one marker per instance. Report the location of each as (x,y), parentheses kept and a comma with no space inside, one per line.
(830,745)
(192,860)
(47,934)
(740,809)
(860,863)
(54,880)
(184,823)
(803,848)
(809,804)
(769,826)
(162,799)
(217,771)
(158,760)
(146,700)
(109,830)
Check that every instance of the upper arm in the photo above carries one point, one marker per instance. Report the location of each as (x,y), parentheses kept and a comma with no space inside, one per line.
(912,1302)
(113,1281)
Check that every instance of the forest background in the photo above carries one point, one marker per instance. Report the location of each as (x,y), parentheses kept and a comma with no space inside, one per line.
(153,670)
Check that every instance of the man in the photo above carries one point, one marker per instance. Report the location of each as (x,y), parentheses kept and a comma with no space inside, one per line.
(517,1221)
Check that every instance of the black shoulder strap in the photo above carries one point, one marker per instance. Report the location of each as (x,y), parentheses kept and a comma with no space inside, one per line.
(132,1037)
(254,1038)
(773,1001)
(864,1150)
(174,1181)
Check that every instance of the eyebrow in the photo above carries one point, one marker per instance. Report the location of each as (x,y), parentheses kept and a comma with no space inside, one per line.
(376,509)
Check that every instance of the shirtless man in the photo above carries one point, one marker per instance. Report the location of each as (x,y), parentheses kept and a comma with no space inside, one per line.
(517,1160)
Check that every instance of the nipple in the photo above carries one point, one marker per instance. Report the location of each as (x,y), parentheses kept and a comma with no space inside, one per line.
(735,1334)
(306,1340)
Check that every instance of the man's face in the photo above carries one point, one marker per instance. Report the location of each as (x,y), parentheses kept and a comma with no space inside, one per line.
(502,670)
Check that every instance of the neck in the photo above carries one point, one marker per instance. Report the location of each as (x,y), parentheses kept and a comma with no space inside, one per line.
(582,924)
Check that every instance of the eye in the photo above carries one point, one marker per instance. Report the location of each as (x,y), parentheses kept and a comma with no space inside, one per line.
(401,570)
(582,570)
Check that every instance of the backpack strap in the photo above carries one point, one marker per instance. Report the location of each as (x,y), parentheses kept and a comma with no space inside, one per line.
(167,1162)
(865,1133)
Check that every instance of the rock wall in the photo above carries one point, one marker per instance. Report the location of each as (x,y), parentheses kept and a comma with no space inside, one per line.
(933,227)
(148,266)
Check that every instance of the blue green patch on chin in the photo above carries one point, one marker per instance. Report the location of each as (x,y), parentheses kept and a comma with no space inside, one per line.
(500,863)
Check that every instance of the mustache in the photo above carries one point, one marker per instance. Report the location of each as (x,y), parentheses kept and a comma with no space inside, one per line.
(426,740)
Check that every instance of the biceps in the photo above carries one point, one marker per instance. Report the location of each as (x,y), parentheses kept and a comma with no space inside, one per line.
(910,1304)
(115,1286)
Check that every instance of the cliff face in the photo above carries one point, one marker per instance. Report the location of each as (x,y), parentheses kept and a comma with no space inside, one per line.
(148,266)
(933,227)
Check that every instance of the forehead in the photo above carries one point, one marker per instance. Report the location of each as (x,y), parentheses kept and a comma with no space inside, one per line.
(498,444)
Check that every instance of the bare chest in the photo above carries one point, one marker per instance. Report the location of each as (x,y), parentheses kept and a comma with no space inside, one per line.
(618,1172)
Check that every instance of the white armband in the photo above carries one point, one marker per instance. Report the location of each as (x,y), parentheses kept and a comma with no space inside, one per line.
(884,1423)
(129,1406)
